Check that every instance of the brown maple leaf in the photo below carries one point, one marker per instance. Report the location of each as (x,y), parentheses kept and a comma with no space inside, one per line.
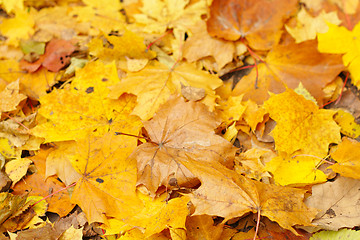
(178,129)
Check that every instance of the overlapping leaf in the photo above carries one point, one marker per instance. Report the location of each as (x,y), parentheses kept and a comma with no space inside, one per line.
(258,22)
(108,177)
(179,129)
(156,82)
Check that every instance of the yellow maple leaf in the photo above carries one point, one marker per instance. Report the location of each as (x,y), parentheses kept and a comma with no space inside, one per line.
(160,214)
(347,123)
(103,17)
(347,156)
(17,28)
(34,84)
(169,14)
(10,5)
(295,171)
(231,110)
(307,26)
(301,125)
(342,41)
(128,45)
(156,82)
(108,177)
(72,113)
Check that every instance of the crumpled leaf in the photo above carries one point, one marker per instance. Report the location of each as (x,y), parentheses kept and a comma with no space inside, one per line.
(337,201)
(347,156)
(258,22)
(11,97)
(301,125)
(108,177)
(155,83)
(227,194)
(9,205)
(179,129)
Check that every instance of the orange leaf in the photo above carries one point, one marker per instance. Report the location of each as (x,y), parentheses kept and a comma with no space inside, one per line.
(289,65)
(39,185)
(108,177)
(57,55)
(258,22)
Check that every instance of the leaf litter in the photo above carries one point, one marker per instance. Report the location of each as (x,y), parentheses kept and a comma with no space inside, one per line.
(136,139)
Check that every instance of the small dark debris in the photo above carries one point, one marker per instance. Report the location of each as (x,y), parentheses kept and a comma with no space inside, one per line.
(89,90)
(99,180)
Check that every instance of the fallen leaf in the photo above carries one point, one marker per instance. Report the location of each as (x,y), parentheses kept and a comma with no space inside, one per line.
(108,177)
(301,125)
(178,129)
(227,194)
(337,201)
(11,97)
(39,185)
(347,156)
(297,171)
(18,27)
(57,56)
(308,26)
(338,235)
(9,205)
(71,122)
(156,82)
(347,123)
(17,168)
(128,45)
(202,227)
(340,40)
(200,44)
(259,23)
(288,65)
(159,214)
(58,163)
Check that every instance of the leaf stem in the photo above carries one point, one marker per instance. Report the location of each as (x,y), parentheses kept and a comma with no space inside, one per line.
(50,195)
(158,39)
(16,121)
